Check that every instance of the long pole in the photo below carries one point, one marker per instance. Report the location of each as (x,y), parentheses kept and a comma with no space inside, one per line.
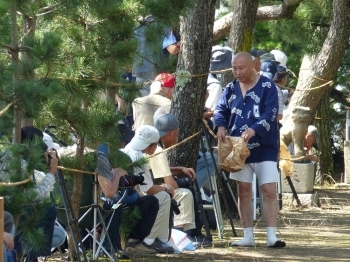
(1,227)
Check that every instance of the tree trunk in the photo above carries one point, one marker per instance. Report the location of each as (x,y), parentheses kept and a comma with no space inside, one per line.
(29,26)
(16,75)
(76,194)
(188,100)
(315,75)
(323,124)
(283,11)
(241,33)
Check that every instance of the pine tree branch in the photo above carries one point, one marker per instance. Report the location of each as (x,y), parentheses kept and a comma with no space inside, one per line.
(8,46)
(25,48)
(3,111)
(274,12)
(48,9)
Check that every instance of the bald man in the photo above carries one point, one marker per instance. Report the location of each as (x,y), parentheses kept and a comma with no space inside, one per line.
(248,108)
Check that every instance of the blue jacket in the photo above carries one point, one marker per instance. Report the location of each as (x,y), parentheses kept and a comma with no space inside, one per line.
(257,110)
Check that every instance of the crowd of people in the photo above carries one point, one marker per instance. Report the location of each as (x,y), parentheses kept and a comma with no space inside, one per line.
(249,107)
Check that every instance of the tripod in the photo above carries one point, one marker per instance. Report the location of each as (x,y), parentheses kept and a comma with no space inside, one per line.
(212,181)
(72,221)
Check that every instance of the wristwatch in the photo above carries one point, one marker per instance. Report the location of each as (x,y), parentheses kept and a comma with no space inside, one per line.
(167,187)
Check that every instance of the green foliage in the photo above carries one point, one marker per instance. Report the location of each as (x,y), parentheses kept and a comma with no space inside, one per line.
(130,219)
(77,50)
(301,35)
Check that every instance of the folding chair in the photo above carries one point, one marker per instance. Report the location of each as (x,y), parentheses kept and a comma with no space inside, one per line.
(91,214)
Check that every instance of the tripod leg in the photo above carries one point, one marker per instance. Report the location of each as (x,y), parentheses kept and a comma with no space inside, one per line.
(222,190)
(200,204)
(72,222)
(293,190)
(205,131)
(212,191)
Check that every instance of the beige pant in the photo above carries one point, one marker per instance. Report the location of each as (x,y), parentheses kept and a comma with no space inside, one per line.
(160,227)
(186,216)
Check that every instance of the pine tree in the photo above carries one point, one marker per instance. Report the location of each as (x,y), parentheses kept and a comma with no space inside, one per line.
(73,58)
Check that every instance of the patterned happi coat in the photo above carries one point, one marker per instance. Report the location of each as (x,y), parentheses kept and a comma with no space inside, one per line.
(257,110)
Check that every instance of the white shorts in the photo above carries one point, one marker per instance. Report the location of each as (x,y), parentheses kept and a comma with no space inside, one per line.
(266,172)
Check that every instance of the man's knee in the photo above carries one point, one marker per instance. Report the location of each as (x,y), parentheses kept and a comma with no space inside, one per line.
(244,190)
(163,198)
(269,191)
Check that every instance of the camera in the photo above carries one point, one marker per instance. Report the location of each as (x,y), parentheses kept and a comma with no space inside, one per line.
(184,182)
(131,180)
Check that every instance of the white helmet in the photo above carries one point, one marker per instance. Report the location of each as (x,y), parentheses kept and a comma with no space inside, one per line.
(280,57)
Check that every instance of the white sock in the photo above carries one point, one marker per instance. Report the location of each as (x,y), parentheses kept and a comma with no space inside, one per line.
(247,240)
(248,232)
(271,236)
(148,241)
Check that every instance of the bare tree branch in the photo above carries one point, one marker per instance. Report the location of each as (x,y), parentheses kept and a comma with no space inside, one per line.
(3,111)
(25,48)
(283,11)
(8,46)
(48,9)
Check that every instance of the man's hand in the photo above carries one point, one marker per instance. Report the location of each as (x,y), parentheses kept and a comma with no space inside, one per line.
(52,160)
(312,158)
(170,190)
(248,134)
(119,172)
(221,134)
(189,172)
(8,239)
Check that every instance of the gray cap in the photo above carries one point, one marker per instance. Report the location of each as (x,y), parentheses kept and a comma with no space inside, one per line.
(165,123)
(314,132)
(221,57)
(268,57)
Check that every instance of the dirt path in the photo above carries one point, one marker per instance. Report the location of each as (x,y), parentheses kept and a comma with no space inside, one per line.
(313,234)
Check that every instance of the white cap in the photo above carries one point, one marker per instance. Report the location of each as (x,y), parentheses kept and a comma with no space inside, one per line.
(49,142)
(280,57)
(144,136)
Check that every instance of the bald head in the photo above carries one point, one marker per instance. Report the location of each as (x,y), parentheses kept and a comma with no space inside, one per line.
(243,67)
(247,57)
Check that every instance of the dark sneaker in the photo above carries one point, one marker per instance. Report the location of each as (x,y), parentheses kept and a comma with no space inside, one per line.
(200,241)
(161,247)
(139,249)
(204,241)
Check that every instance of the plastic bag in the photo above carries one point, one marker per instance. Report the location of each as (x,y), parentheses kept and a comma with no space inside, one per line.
(179,241)
(232,153)
(285,163)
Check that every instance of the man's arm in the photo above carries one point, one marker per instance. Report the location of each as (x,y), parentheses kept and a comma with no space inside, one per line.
(110,186)
(108,178)
(159,188)
(45,183)
(180,170)
(222,112)
(8,240)
(270,105)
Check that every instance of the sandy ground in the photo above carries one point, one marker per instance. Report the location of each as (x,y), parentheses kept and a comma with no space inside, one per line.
(312,234)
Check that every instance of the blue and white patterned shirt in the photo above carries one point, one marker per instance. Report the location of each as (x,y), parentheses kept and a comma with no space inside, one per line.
(257,110)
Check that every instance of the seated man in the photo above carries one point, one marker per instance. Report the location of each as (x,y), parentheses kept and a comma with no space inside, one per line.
(148,207)
(311,141)
(161,93)
(44,184)
(144,142)
(201,168)
(168,127)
